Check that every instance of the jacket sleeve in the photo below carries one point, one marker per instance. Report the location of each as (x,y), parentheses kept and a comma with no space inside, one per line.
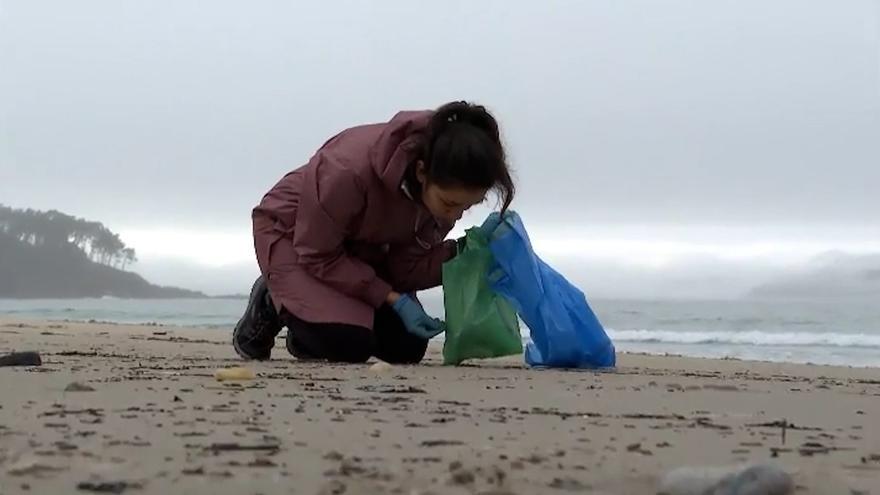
(414,268)
(331,198)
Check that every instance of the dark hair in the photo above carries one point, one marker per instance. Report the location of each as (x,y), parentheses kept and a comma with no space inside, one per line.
(461,147)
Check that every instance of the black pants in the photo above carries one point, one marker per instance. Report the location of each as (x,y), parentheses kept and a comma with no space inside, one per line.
(388,341)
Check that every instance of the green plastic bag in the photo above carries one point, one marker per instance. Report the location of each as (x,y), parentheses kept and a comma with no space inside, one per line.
(479,323)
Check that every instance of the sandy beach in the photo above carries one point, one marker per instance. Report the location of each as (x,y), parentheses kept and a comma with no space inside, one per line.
(136,409)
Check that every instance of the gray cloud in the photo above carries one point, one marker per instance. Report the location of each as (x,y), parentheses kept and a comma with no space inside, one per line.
(177,113)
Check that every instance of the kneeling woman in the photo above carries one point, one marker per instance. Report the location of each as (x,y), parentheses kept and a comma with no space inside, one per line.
(345,241)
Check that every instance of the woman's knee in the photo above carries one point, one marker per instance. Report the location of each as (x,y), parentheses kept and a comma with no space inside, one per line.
(394,344)
(329,341)
(410,351)
(355,355)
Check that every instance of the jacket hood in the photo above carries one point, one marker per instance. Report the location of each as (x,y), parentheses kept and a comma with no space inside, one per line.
(397,145)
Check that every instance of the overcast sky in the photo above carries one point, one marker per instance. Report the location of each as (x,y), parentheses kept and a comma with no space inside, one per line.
(727,124)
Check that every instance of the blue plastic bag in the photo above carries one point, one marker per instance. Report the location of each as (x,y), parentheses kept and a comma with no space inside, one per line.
(565,332)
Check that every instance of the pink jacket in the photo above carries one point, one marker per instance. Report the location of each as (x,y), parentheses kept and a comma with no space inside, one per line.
(335,236)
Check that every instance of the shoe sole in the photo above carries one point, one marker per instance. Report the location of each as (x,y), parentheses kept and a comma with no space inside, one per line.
(248,312)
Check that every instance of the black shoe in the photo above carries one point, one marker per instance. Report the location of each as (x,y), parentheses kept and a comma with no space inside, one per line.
(255,332)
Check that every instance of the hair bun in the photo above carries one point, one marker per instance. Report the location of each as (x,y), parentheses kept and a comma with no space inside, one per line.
(462,112)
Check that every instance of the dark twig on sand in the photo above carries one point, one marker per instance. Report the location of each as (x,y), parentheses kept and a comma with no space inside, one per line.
(231,447)
(64,412)
(784,428)
(108,487)
(779,423)
(441,443)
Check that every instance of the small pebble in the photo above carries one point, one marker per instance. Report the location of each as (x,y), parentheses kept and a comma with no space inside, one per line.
(381,367)
(78,387)
(27,358)
(756,479)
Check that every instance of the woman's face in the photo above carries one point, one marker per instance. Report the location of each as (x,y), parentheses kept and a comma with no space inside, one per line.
(448,203)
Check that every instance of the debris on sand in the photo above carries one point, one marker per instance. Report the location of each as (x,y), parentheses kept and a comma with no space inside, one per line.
(391,389)
(231,447)
(27,358)
(234,373)
(381,367)
(78,387)
(441,443)
(108,487)
(764,479)
(32,467)
(569,484)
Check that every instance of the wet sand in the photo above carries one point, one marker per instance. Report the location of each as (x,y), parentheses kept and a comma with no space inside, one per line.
(136,409)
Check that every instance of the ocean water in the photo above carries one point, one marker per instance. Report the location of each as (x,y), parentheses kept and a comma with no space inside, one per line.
(840,332)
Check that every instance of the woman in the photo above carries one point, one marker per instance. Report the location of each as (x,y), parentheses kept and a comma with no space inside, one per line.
(345,241)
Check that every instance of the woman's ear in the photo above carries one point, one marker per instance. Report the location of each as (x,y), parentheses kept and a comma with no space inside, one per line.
(421,172)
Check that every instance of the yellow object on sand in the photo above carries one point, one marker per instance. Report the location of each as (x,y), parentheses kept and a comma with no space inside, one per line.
(381,367)
(235,373)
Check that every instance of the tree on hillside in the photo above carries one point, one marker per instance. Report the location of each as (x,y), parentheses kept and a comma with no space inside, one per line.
(56,230)
(129,257)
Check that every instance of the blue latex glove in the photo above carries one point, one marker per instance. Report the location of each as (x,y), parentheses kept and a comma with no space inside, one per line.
(416,321)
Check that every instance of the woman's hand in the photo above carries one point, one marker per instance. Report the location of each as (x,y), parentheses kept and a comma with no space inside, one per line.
(416,321)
